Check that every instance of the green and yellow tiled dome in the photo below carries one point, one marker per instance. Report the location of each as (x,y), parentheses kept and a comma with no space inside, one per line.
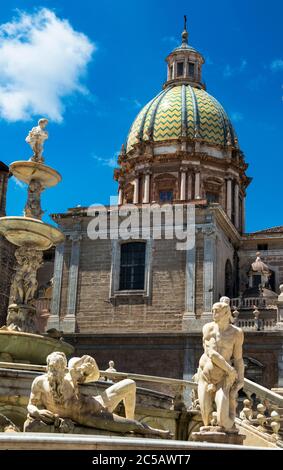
(186,111)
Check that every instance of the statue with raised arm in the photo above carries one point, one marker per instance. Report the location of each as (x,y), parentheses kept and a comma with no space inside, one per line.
(221,369)
(36,138)
(56,400)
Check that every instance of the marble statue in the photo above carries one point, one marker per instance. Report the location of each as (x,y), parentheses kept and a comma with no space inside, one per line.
(24,284)
(221,368)
(36,138)
(21,318)
(112,369)
(56,399)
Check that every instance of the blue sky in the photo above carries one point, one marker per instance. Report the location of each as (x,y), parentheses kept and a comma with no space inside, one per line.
(117,65)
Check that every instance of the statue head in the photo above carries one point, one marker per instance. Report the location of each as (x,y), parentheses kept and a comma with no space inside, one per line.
(13,308)
(56,370)
(221,311)
(56,363)
(111,364)
(225,299)
(83,369)
(43,123)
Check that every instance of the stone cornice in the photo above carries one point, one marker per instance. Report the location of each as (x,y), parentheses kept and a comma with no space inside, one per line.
(225,223)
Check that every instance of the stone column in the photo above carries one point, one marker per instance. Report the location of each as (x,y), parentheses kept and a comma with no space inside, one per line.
(197,185)
(146,188)
(69,321)
(3,192)
(229,198)
(190,289)
(208,268)
(54,319)
(136,191)
(243,214)
(120,197)
(186,68)
(236,196)
(190,187)
(183,185)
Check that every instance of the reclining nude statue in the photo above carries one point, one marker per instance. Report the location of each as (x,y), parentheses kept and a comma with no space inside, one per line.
(221,369)
(56,400)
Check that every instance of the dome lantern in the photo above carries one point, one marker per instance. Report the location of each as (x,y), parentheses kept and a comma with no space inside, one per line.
(184,64)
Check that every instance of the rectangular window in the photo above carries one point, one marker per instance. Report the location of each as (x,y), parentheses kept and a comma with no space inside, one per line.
(132,266)
(166,196)
(191,69)
(171,72)
(262,247)
(180,69)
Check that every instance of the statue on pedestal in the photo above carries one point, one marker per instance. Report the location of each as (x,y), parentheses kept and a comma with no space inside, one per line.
(36,138)
(56,400)
(221,371)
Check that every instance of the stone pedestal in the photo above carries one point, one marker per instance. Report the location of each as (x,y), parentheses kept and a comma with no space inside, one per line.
(216,435)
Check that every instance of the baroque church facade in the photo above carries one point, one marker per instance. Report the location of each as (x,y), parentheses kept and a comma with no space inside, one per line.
(143,301)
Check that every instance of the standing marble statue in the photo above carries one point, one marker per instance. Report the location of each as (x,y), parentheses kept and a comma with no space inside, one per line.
(56,400)
(221,368)
(36,138)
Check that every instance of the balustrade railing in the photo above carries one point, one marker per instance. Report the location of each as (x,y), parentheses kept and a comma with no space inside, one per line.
(256,324)
(250,302)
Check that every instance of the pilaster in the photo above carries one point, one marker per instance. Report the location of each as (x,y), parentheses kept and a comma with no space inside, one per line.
(54,319)
(68,323)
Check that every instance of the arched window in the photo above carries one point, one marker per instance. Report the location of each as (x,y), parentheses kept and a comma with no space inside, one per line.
(228,279)
(132,266)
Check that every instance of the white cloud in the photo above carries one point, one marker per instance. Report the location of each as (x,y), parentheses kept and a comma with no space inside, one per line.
(276,65)
(111,161)
(236,116)
(42,61)
(230,71)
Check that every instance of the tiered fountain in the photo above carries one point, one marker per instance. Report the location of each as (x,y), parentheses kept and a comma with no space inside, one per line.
(19,340)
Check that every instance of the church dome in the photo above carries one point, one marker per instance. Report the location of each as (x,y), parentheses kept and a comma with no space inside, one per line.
(182,110)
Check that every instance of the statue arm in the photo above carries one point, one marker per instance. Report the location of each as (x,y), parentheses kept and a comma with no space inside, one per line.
(238,359)
(35,400)
(219,361)
(36,407)
(215,357)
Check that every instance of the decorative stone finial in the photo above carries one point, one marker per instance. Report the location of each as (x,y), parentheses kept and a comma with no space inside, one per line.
(185,34)
(36,138)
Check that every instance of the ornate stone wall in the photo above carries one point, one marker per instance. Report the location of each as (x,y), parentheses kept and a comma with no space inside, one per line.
(6,271)
(178,283)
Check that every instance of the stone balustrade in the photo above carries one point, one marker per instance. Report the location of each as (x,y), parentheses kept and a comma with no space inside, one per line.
(250,302)
(257,325)
(263,411)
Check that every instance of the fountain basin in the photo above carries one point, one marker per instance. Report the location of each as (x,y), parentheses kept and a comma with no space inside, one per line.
(30,348)
(27,171)
(33,233)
